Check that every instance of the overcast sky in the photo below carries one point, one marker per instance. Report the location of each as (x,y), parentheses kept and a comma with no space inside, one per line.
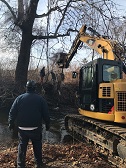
(122,3)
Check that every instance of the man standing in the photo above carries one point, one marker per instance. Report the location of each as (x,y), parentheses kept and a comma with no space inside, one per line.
(29,109)
(42,74)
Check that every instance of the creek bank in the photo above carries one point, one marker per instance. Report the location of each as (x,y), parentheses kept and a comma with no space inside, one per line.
(58,155)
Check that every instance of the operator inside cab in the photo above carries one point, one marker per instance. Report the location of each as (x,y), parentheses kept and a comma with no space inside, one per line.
(110,73)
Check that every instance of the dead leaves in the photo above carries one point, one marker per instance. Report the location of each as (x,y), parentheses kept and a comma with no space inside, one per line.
(73,155)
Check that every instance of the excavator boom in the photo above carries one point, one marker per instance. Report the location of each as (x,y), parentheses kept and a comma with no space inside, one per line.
(107,48)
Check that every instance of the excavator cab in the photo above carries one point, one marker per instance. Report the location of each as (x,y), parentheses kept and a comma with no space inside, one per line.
(92,75)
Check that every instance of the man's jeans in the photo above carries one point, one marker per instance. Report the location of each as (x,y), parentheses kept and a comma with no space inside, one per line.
(36,137)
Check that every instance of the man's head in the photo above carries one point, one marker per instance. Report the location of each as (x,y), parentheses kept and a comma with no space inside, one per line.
(30,85)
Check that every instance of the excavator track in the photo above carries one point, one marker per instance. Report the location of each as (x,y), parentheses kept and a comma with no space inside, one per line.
(109,137)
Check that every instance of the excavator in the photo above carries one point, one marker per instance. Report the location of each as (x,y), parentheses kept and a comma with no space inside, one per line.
(102,94)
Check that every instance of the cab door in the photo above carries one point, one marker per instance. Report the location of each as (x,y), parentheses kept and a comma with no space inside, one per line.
(88,87)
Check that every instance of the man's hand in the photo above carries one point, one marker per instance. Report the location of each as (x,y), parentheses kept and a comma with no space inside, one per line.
(47,127)
(11,126)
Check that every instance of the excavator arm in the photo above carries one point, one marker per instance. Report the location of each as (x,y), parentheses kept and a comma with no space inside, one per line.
(107,48)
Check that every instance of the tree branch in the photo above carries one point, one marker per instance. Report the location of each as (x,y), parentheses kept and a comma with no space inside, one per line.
(20,9)
(97,8)
(9,7)
(40,37)
(51,10)
(62,16)
(49,37)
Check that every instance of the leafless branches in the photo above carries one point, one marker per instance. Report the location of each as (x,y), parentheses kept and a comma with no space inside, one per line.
(63,19)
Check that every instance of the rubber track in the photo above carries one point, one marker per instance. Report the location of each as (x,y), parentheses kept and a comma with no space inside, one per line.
(112,128)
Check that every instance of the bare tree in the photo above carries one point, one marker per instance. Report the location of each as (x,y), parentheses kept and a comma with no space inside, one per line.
(62,18)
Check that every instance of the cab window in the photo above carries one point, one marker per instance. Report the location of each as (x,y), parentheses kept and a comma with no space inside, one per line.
(110,73)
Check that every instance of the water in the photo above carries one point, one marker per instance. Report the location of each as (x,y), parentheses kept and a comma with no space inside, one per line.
(6,136)
(57,130)
(54,135)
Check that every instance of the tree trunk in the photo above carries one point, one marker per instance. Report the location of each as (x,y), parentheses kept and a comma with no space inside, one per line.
(23,60)
(24,56)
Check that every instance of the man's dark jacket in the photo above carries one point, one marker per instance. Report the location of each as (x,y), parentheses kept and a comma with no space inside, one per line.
(29,109)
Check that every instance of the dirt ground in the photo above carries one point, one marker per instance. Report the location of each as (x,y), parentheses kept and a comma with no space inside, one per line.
(78,155)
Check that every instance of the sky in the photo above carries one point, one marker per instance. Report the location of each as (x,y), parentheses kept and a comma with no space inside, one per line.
(122,4)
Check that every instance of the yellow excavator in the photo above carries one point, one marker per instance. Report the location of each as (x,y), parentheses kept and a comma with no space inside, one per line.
(102,94)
